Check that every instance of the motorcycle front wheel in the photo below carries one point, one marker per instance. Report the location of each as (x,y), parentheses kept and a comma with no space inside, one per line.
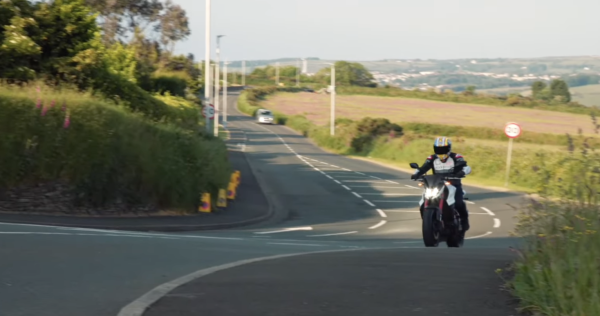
(431,235)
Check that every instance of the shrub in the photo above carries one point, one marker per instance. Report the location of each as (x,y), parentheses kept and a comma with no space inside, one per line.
(106,152)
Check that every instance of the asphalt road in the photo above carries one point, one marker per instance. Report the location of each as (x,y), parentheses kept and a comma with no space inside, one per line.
(323,201)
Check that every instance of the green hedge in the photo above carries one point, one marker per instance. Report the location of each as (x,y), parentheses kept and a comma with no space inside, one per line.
(107,152)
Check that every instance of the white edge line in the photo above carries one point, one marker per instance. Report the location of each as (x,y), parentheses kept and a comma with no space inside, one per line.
(333,234)
(293,244)
(369,202)
(479,236)
(378,224)
(390,181)
(488,211)
(496,223)
(139,306)
(381,213)
(360,173)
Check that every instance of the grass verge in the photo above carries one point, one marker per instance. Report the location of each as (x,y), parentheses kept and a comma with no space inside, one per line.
(106,152)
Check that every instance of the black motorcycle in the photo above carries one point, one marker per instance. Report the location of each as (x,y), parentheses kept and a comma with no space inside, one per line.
(441,221)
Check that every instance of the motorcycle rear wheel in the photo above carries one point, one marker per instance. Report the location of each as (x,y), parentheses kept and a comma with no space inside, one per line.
(431,235)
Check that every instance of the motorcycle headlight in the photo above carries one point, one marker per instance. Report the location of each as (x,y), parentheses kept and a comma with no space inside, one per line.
(431,193)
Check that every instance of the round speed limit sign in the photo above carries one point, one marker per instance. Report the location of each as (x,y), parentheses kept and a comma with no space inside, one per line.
(209,111)
(512,130)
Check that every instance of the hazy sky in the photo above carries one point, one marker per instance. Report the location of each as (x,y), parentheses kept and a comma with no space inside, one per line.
(379,29)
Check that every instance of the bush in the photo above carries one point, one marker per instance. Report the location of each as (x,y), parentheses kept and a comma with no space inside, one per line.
(122,91)
(559,269)
(169,84)
(107,153)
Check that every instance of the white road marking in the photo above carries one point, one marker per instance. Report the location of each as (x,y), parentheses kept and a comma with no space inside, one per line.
(368,202)
(286,230)
(34,233)
(292,244)
(412,187)
(381,213)
(402,211)
(390,181)
(328,176)
(479,236)
(366,180)
(333,234)
(357,195)
(387,201)
(360,173)
(378,225)
(347,188)
(344,169)
(469,202)
(336,181)
(375,186)
(488,211)
(374,177)
(496,223)
(392,194)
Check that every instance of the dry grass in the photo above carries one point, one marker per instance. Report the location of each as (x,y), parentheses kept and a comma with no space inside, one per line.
(316,108)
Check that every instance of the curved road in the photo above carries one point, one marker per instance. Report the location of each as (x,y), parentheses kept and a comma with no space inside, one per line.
(324,202)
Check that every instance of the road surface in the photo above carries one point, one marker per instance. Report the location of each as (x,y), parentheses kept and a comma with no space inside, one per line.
(324,202)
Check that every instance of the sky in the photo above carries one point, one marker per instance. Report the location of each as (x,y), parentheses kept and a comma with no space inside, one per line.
(394,29)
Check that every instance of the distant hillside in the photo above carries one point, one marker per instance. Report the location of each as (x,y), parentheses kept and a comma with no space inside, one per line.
(501,73)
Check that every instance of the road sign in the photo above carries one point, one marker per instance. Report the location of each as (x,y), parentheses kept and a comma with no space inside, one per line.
(512,130)
(209,111)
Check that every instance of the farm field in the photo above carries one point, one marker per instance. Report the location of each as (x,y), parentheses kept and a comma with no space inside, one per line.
(316,108)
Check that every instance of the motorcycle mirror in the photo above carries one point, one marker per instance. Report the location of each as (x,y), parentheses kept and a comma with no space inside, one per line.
(414,165)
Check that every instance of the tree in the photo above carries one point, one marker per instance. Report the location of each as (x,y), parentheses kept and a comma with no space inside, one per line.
(560,90)
(123,17)
(348,74)
(537,87)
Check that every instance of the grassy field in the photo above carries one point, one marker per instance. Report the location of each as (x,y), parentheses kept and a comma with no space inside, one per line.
(316,108)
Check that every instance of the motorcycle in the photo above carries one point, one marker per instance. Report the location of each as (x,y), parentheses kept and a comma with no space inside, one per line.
(441,221)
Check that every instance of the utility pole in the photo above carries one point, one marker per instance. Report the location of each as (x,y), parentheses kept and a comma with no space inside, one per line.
(298,73)
(225,93)
(332,99)
(207,72)
(243,73)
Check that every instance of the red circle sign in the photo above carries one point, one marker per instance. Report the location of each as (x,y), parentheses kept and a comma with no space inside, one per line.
(512,130)
(209,111)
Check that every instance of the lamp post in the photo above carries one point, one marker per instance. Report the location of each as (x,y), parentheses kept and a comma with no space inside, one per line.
(217,87)
(207,85)
(225,93)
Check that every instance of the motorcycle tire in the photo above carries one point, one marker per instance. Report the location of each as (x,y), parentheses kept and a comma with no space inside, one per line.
(431,235)
(456,240)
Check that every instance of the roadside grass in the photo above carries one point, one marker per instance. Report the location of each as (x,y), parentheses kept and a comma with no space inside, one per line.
(558,272)
(107,152)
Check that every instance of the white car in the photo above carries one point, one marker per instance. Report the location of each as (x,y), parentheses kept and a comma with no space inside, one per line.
(264,116)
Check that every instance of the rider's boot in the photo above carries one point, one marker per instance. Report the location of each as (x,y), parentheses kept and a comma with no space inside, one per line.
(464,221)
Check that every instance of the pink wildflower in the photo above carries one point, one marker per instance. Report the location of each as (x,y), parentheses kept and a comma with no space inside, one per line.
(38,104)
(67,120)
(44,110)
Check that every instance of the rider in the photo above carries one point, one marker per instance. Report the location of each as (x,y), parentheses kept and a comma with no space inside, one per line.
(442,162)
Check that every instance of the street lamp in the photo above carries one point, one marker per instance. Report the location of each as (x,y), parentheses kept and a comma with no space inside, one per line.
(217,91)
(225,93)
(207,72)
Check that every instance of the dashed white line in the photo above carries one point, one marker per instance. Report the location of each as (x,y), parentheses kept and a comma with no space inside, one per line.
(387,201)
(369,202)
(496,223)
(381,213)
(374,177)
(488,211)
(378,224)
(360,173)
(412,187)
(357,195)
(333,234)
(392,194)
(347,188)
(390,181)
(328,176)
(336,181)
